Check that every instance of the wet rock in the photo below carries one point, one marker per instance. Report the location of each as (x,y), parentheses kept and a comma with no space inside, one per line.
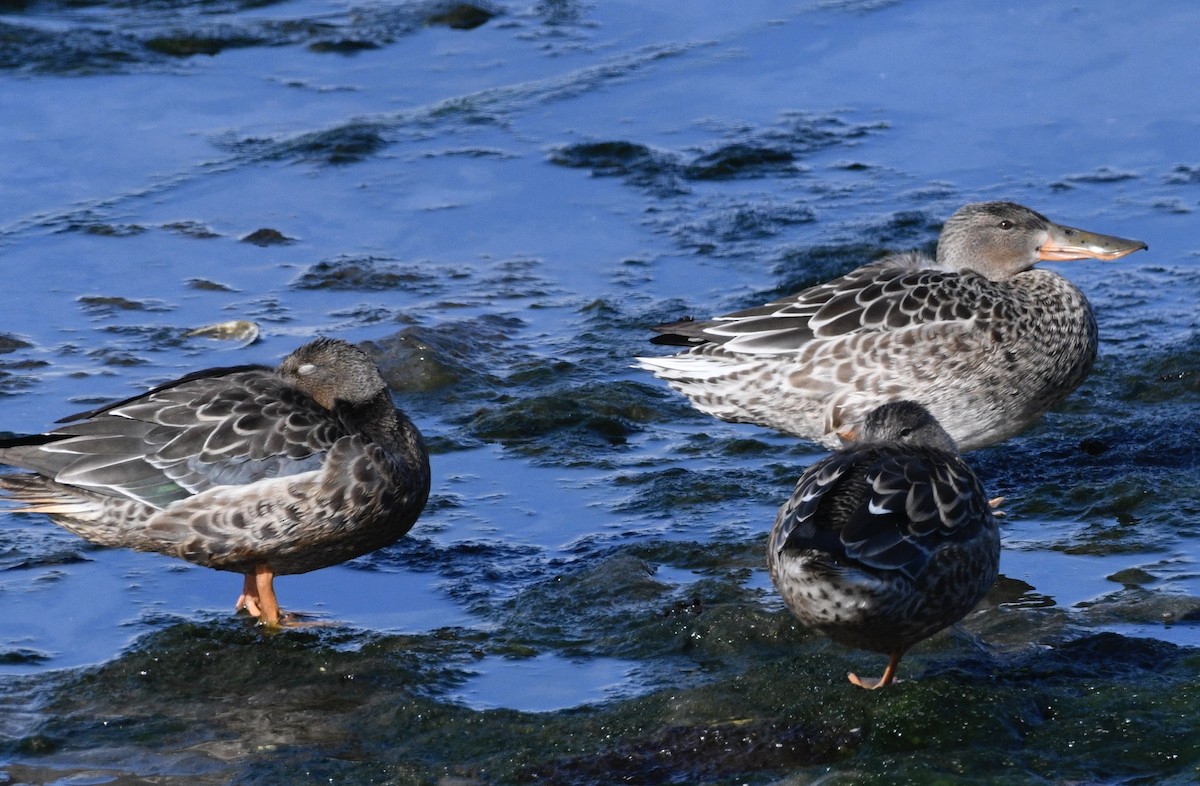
(1183,174)
(605,158)
(1103,174)
(675,490)
(1132,577)
(22,657)
(805,132)
(78,50)
(754,709)
(699,754)
(141,36)
(107,230)
(463,360)
(1097,655)
(187,43)
(191,229)
(640,165)
(567,608)
(342,46)
(478,574)
(345,144)
(366,273)
(1139,603)
(1176,207)
(10,343)
(1015,592)
(461,16)
(418,360)
(109,304)
(772,151)
(573,417)
(205,285)
(740,160)
(20,374)
(266,236)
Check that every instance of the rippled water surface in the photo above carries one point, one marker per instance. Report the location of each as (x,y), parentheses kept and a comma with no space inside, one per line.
(500,200)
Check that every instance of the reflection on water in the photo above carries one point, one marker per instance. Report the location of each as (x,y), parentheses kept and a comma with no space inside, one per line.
(500,200)
(545,682)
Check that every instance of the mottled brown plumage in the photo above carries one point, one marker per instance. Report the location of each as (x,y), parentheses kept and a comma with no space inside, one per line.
(887,541)
(984,340)
(254,470)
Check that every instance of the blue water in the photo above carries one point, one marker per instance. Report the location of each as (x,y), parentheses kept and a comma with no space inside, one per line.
(432,156)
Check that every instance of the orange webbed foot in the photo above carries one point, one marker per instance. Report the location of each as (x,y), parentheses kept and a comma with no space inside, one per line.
(870,683)
(995,503)
(258,597)
(889,674)
(248,600)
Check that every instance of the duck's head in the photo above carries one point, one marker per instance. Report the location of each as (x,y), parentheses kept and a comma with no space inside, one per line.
(998,240)
(901,424)
(331,370)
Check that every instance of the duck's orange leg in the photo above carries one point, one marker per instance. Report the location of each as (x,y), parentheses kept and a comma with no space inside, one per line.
(248,600)
(889,674)
(264,582)
(258,595)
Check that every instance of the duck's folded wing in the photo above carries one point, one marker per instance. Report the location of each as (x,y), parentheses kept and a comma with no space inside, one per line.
(873,299)
(917,503)
(185,438)
(797,527)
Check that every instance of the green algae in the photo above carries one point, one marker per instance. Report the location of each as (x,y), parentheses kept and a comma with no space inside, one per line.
(735,690)
(762,699)
(578,417)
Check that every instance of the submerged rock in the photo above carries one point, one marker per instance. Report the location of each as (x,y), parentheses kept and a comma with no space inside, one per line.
(461,16)
(267,237)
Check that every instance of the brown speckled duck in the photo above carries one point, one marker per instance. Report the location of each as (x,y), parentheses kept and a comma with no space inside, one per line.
(982,338)
(888,541)
(255,470)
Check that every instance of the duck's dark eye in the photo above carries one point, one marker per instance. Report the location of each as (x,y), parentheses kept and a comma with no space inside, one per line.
(1006,224)
(904,432)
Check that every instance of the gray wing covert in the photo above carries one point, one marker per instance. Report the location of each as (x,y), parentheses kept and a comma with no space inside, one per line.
(871,299)
(185,438)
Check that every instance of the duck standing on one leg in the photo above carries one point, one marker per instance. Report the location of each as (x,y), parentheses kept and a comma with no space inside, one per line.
(983,339)
(254,470)
(888,541)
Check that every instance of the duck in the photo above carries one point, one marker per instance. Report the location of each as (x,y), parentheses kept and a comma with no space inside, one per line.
(250,469)
(888,540)
(977,334)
